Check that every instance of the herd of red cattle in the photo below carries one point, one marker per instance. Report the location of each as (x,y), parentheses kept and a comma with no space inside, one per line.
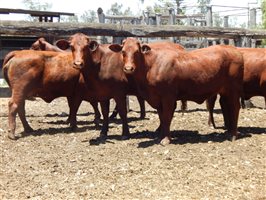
(160,73)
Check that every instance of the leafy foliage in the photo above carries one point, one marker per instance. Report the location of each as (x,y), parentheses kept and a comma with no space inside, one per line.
(89,16)
(36,5)
(263,8)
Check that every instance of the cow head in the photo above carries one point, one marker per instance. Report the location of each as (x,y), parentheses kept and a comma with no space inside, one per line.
(132,52)
(39,45)
(81,47)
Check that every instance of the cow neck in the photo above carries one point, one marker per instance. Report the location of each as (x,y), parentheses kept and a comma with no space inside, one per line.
(92,65)
(141,71)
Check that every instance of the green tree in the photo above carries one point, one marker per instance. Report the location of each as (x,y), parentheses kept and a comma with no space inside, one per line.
(36,5)
(263,8)
(116,9)
(88,16)
(202,5)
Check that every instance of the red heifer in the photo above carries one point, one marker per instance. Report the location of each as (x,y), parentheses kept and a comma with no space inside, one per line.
(42,45)
(165,76)
(254,82)
(103,73)
(43,74)
(155,45)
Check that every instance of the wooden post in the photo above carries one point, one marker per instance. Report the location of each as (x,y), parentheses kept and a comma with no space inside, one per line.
(171,16)
(253,43)
(158,19)
(172,21)
(209,16)
(252,18)
(147,17)
(226,24)
(232,42)
(101,19)
(245,42)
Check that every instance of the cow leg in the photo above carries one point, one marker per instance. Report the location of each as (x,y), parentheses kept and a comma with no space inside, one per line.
(210,102)
(22,116)
(183,107)
(97,114)
(114,113)
(12,112)
(233,110)
(142,107)
(122,110)
(225,111)
(74,106)
(105,112)
(168,109)
(243,105)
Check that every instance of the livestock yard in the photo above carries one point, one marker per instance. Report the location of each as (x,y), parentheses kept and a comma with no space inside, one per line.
(54,163)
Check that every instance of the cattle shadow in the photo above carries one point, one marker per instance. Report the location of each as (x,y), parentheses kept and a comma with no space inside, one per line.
(252,130)
(60,130)
(182,137)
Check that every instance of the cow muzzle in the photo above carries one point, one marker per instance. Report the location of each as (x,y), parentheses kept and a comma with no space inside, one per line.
(78,64)
(129,69)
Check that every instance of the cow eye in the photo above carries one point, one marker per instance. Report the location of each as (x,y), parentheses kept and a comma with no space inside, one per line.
(123,53)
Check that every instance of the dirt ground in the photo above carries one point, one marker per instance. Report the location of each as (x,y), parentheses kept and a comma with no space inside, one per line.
(200,163)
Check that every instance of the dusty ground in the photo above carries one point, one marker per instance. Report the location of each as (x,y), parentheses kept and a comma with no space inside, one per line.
(54,163)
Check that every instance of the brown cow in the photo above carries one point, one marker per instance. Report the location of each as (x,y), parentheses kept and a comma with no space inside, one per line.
(254,82)
(103,73)
(156,45)
(43,74)
(42,45)
(164,76)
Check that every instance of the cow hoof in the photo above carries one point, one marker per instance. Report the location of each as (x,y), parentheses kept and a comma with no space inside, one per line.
(125,137)
(73,128)
(12,136)
(233,138)
(142,116)
(102,137)
(28,130)
(97,121)
(165,141)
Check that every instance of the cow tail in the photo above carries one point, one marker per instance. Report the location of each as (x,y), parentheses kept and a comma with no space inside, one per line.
(6,66)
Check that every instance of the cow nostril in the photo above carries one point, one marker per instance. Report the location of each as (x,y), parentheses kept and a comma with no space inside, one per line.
(78,64)
(128,69)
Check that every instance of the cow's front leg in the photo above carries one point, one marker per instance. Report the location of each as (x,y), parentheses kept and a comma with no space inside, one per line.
(122,110)
(168,109)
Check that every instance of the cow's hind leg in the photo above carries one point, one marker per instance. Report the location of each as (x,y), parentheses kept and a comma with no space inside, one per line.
(233,106)
(225,111)
(105,112)
(22,116)
(210,102)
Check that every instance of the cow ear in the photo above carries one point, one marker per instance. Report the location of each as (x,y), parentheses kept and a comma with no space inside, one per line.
(62,44)
(116,47)
(93,45)
(145,48)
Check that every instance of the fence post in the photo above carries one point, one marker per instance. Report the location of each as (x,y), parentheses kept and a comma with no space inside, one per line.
(252,18)
(253,43)
(101,19)
(232,42)
(158,18)
(226,24)
(209,16)
(172,21)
